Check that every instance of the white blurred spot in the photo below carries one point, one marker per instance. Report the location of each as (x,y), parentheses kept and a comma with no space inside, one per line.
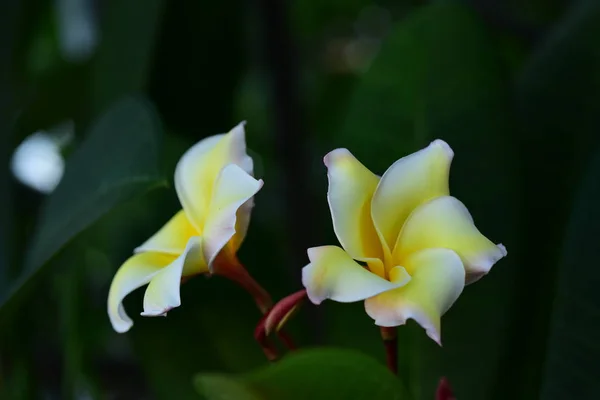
(77,30)
(37,162)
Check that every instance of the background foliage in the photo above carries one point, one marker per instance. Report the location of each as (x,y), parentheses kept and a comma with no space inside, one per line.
(513,86)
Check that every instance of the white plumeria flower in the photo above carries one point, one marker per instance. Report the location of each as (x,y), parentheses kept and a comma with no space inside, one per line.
(419,245)
(215,186)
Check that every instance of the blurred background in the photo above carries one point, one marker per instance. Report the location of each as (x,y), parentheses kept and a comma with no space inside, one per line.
(99,99)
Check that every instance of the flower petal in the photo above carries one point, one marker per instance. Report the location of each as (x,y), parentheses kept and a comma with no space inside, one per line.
(137,271)
(446,222)
(351,188)
(233,189)
(333,274)
(438,278)
(199,167)
(172,237)
(409,182)
(162,293)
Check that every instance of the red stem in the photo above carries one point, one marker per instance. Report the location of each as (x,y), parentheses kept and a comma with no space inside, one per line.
(444,391)
(390,341)
(239,275)
(263,340)
(234,270)
(286,340)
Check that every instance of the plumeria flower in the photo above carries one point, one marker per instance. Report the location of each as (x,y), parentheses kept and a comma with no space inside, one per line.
(215,186)
(409,247)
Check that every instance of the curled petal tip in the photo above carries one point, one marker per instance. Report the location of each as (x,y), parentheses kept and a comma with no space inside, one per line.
(238,134)
(435,336)
(335,154)
(503,249)
(444,146)
(157,313)
(241,125)
(307,273)
(122,327)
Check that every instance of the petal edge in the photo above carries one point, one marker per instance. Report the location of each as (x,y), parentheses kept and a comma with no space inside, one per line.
(136,272)
(437,281)
(333,274)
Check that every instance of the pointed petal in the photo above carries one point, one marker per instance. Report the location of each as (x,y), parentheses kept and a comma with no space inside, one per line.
(438,278)
(162,293)
(409,182)
(137,271)
(172,237)
(333,274)
(351,188)
(199,168)
(446,222)
(233,189)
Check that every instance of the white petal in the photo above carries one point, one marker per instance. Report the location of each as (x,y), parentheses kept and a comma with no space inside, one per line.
(137,271)
(446,222)
(351,188)
(233,189)
(438,278)
(199,168)
(333,274)
(162,293)
(172,238)
(409,182)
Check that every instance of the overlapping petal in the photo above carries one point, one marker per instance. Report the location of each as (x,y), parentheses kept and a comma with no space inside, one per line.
(351,188)
(409,182)
(162,293)
(199,168)
(172,238)
(333,274)
(445,222)
(233,189)
(214,183)
(437,279)
(137,271)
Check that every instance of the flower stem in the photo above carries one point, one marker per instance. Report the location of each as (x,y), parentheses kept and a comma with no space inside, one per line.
(260,295)
(444,391)
(263,340)
(390,341)
(287,340)
(232,268)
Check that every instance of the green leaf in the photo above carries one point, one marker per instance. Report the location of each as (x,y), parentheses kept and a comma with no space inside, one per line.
(220,387)
(321,373)
(123,60)
(572,367)
(557,96)
(117,161)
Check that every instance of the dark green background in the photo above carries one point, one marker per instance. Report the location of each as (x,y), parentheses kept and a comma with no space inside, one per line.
(513,86)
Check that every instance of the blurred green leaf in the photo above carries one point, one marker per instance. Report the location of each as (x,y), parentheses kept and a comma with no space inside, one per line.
(323,373)
(558,98)
(212,330)
(123,60)
(572,366)
(438,75)
(117,161)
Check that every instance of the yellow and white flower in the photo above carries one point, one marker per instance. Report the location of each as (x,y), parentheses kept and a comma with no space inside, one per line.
(418,245)
(215,186)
